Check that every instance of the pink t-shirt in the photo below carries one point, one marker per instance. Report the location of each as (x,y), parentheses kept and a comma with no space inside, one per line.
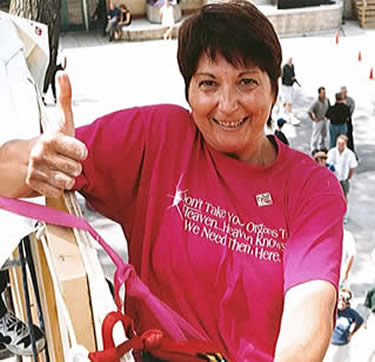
(217,239)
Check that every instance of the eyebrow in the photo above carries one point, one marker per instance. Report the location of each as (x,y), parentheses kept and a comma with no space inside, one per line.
(247,71)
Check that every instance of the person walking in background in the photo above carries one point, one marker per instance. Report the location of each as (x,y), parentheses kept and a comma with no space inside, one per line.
(344,162)
(100,15)
(349,101)
(59,66)
(317,113)
(338,115)
(347,324)
(279,133)
(288,78)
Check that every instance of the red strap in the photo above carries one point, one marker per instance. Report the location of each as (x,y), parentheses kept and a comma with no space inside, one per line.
(153,341)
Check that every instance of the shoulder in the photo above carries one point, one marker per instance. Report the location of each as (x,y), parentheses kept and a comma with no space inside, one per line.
(305,177)
(167,114)
(154,119)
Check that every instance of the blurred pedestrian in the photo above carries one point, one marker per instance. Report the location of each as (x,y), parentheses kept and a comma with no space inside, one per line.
(349,101)
(338,115)
(288,78)
(61,65)
(100,15)
(317,113)
(321,158)
(344,162)
(279,133)
(347,324)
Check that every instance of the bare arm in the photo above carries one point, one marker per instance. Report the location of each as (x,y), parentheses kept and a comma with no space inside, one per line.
(307,322)
(312,116)
(351,173)
(348,267)
(14,160)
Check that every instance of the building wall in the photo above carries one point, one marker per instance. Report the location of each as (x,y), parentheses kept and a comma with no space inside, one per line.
(138,7)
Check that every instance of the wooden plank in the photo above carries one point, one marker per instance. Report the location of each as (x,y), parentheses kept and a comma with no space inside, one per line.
(72,277)
(48,301)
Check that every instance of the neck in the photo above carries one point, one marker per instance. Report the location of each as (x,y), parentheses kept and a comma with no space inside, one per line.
(262,154)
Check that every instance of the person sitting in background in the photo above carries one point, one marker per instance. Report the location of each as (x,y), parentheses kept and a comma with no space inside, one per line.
(167,18)
(113,17)
(279,133)
(125,20)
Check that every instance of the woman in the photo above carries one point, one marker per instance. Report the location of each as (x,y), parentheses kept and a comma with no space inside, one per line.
(238,233)
(125,20)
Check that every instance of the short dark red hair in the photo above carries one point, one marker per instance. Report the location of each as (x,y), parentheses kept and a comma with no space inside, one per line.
(238,31)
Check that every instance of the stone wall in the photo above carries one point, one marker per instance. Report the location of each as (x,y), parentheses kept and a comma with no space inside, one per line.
(307,20)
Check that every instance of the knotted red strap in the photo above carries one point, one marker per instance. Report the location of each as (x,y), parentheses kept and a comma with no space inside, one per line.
(153,341)
(187,346)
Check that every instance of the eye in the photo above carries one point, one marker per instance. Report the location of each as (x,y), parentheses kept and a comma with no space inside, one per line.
(208,83)
(248,82)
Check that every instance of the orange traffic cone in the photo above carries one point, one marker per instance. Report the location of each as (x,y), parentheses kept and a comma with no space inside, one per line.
(337,37)
(371,74)
(359,56)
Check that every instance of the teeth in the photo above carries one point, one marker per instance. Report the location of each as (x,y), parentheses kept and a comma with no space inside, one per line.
(230,124)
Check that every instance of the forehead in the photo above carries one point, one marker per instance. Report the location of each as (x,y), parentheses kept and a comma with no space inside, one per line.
(219,62)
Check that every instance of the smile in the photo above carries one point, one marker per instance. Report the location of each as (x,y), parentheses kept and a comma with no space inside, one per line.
(230,124)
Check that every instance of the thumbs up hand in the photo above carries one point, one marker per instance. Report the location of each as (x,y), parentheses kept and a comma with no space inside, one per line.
(55,158)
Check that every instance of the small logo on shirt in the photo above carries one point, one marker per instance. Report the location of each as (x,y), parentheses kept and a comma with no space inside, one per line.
(264,199)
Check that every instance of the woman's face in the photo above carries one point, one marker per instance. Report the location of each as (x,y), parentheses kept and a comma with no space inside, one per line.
(230,105)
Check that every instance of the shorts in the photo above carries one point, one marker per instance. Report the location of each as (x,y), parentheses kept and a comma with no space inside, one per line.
(287,93)
(345,186)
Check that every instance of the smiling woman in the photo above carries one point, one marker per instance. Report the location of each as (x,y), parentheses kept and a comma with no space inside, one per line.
(239,234)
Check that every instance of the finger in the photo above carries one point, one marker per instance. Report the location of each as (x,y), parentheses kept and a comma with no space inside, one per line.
(63,164)
(38,176)
(64,96)
(69,147)
(45,189)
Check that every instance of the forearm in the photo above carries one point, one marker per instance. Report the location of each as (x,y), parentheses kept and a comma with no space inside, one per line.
(14,158)
(351,172)
(348,267)
(307,323)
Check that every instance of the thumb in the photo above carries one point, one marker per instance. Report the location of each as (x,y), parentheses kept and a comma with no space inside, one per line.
(64,96)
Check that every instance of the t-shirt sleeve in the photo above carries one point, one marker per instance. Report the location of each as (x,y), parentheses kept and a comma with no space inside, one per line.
(112,169)
(312,108)
(353,162)
(314,246)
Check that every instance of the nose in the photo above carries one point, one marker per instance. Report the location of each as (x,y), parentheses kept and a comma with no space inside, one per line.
(228,101)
